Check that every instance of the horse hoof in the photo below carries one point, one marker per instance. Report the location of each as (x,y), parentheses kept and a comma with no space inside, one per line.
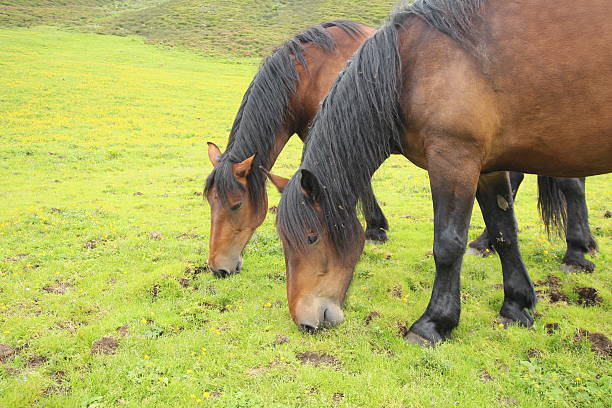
(376,236)
(474,252)
(479,252)
(584,267)
(414,338)
(520,318)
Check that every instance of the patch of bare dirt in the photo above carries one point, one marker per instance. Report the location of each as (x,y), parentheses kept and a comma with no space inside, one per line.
(337,397)
(600,344)
(554,292)
(6,352)
(138,193)
(281,339)
(123,330)
(498,286)
(60,387)
(318,359)
(59,288)
(551,327)
(187,235)
(194,270)
(91,244)
(588,296)
(184,281)
(507,401)
(402,329)
(105,345)
(371,317)
(255,371)
(37,361)
(534,353)
(156,236)
(12,371)
(608,214)
(17,258)
(396,291)
(485,376)
(69,325)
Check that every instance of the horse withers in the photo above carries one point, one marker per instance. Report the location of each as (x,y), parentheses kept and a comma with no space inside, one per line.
(465,89)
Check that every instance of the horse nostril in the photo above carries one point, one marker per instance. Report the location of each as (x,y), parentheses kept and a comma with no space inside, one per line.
(308,328)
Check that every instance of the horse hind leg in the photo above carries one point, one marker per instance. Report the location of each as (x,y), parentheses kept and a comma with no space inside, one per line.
(497,204)
(376,223)
(578,235)
(483,245)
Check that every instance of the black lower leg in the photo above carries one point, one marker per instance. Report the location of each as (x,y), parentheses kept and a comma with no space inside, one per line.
(578,235)
(453,198)
(376,223)
(483,245)
(496,202)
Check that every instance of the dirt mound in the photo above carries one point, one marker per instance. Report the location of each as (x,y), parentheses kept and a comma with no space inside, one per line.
(600,344)
(588,296)
(318,359)
(105,345)
(6,352)
(59,288)
(371,317)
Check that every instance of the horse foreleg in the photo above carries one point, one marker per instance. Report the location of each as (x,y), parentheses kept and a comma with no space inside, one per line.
(376,223)
(483,245)
(578,235)
(453,186)
(497,204)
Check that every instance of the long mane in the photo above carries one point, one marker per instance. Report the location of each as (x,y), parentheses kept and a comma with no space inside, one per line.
(266,106)
(359,126)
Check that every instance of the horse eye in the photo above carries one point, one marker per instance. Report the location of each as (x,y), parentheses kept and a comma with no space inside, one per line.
(313,239)
(236,206)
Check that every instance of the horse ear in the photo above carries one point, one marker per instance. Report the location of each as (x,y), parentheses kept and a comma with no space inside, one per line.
(310,185)
(213,153)
(241,170)
(278,181)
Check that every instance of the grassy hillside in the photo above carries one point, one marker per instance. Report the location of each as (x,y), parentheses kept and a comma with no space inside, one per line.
(104,301)
(213,27)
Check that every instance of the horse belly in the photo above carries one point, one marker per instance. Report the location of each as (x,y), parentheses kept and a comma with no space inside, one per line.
(550,65)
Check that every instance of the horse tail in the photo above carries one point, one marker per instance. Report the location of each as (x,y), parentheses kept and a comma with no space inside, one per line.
(552,205)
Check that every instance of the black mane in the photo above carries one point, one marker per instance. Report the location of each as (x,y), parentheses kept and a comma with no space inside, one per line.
(456,18)
(359,126)
(265,107)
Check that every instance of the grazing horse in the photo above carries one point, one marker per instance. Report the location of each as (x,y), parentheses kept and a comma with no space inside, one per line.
(281,101)
(466,89)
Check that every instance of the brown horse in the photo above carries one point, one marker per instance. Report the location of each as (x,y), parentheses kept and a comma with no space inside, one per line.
(281,101)
(465,89)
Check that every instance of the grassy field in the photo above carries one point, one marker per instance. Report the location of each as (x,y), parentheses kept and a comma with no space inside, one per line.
(211,27)
(105,301)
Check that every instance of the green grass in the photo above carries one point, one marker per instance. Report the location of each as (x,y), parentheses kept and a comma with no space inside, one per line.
(212,27)
(87,121)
